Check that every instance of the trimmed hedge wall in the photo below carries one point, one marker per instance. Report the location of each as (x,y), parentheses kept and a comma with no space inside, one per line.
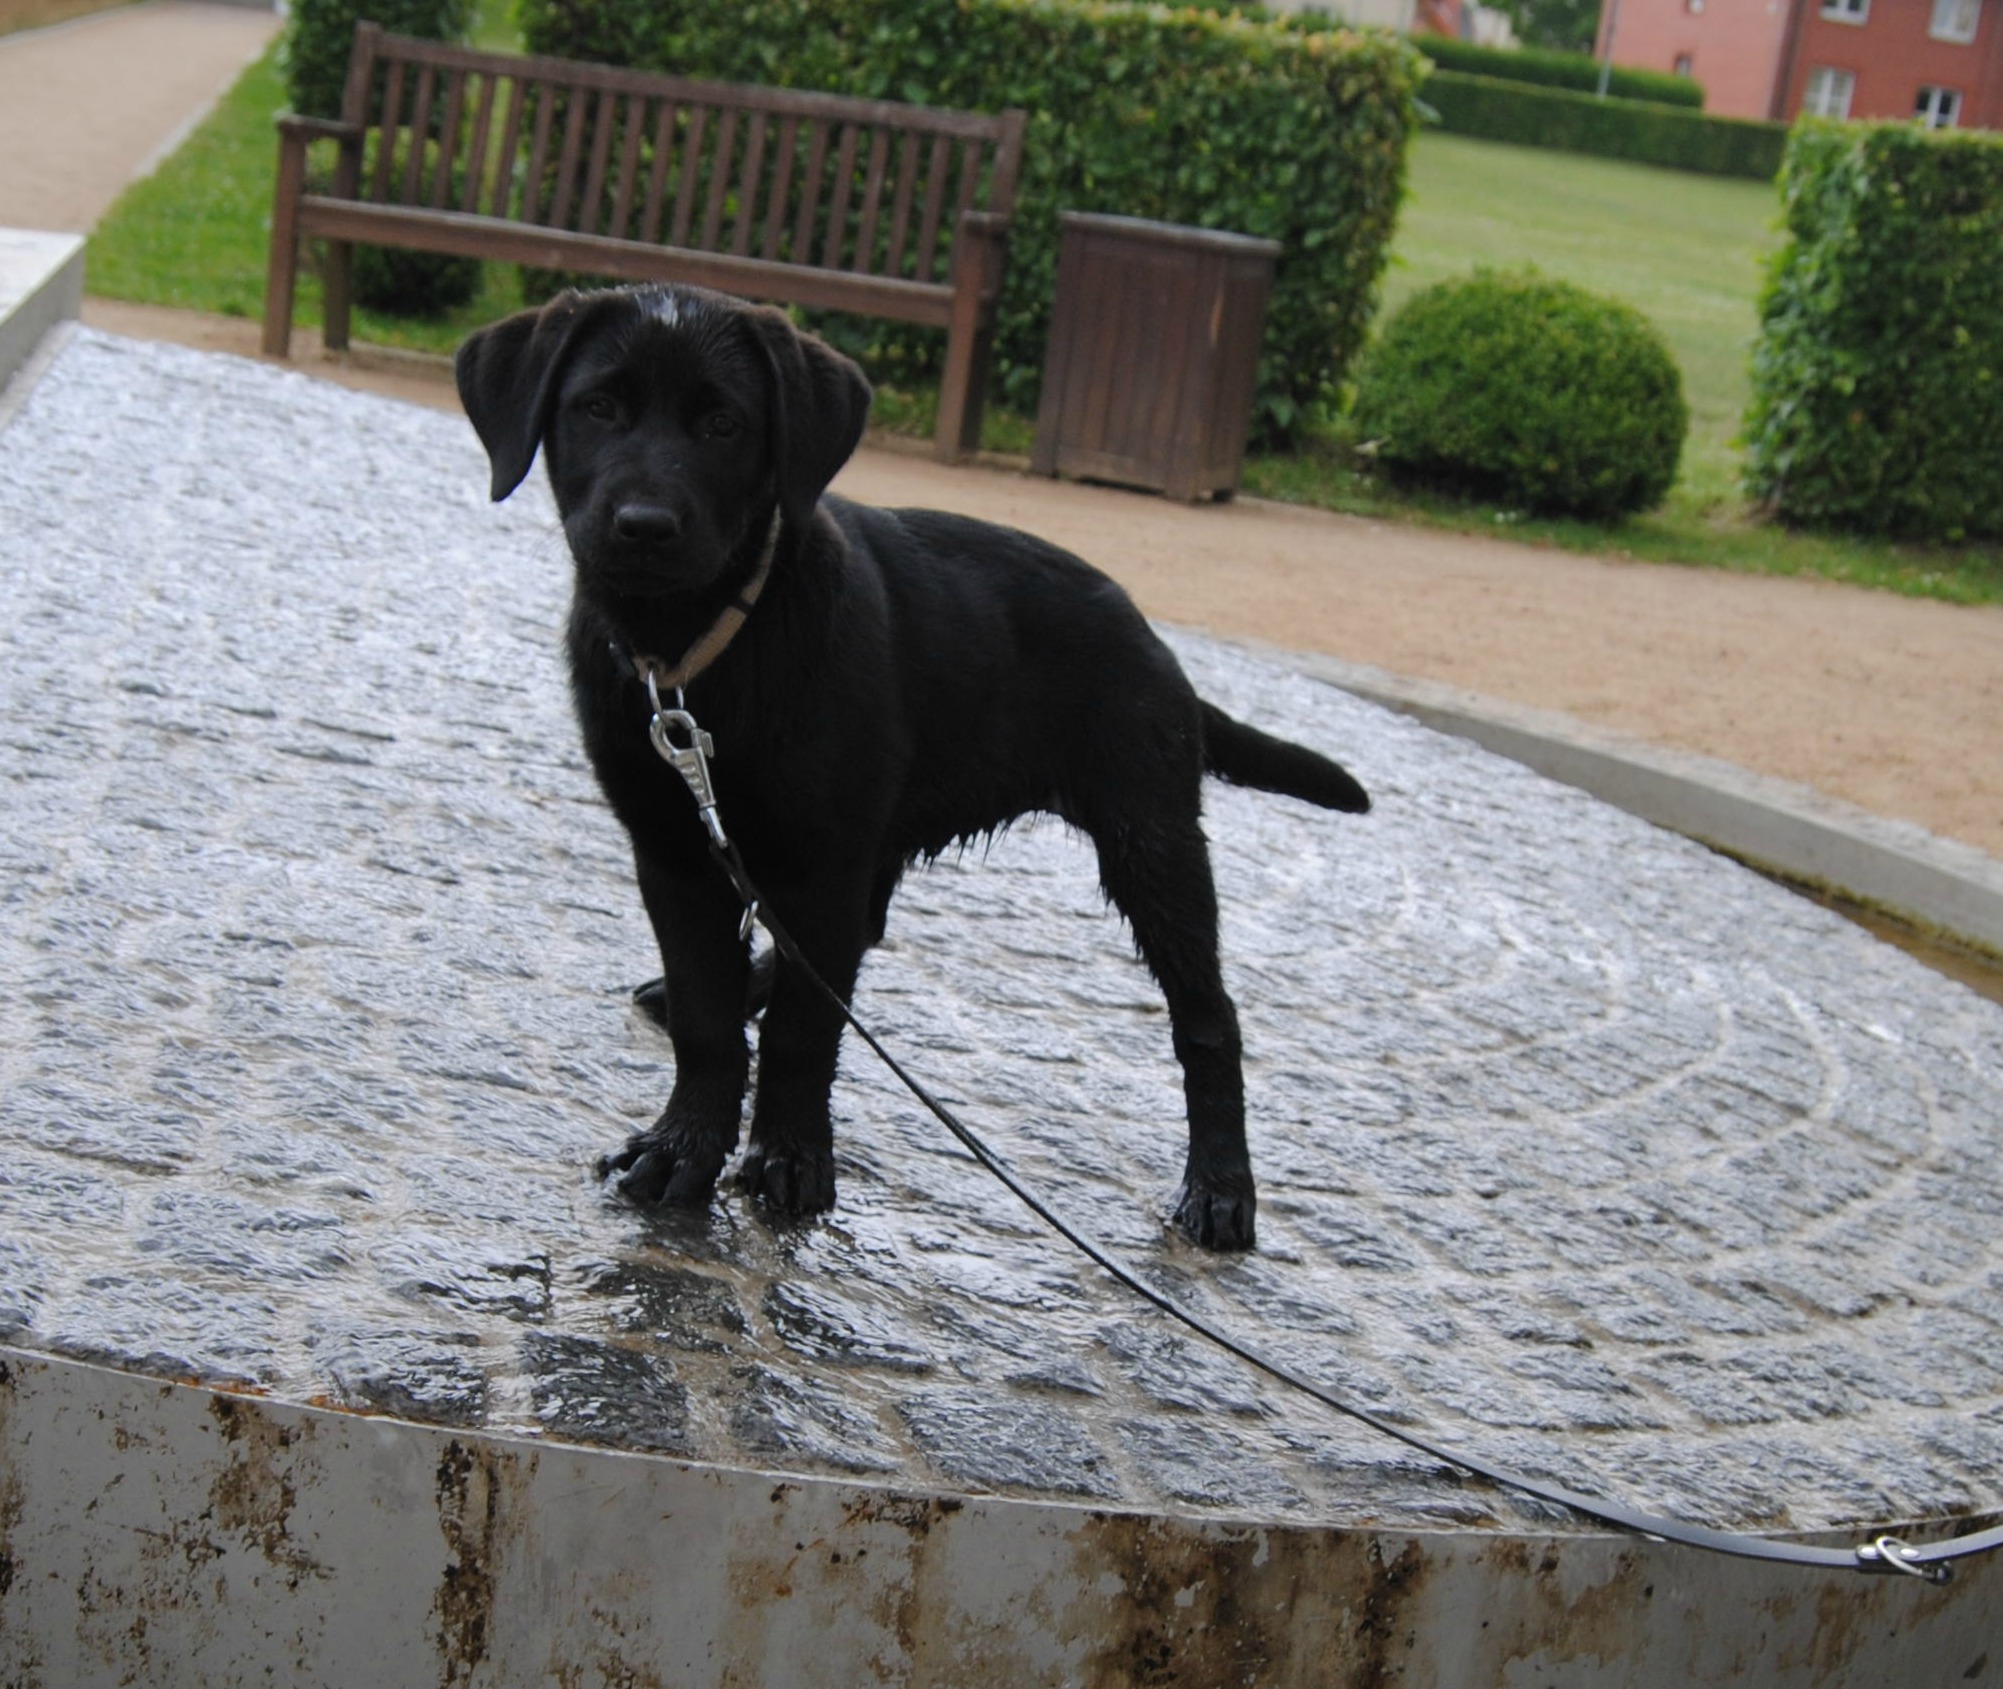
(1579,72)
(1493,110)
(1219,121)
(320,34)
(1878,377)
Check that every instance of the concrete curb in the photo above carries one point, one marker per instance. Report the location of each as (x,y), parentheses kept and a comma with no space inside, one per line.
(41,285)
(1791,830)
(158,1529)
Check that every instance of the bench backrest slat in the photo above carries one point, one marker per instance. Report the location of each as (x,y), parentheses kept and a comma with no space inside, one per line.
(844,185)
(810,190)
(449,135)
(657,176)
(691,148)
(900,210)
(566,169)
(750,186)
(782,183)
(629,168)
(511,135)
(392,106)
(533,179)
(935,202)
(476,157)
(420,122)
(867,187)
(719,178)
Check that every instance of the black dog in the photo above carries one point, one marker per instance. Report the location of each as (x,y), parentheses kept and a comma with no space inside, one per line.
(905,681)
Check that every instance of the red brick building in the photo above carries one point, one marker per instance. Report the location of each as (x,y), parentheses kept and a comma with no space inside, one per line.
(1938,60)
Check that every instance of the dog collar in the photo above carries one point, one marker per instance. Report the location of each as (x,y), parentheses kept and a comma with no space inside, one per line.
(721,632)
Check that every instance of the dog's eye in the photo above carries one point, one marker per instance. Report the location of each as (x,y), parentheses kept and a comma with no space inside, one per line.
(602,407)
(723,426)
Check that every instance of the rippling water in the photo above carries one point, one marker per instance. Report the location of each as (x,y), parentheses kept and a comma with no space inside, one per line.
(1577,1143)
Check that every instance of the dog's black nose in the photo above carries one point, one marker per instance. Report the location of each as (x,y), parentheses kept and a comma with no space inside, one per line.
(650,524)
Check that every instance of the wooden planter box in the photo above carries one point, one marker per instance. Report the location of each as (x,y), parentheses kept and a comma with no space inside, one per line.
(1154,352)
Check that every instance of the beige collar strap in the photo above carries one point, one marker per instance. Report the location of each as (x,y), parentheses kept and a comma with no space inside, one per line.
(721,632)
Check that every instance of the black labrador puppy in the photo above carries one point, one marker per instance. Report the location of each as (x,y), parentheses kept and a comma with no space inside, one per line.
(879,685)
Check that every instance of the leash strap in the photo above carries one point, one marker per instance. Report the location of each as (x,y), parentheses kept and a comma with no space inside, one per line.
(1883,1554)
(658,675)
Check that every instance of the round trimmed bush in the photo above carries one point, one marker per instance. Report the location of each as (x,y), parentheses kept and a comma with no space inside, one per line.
(400,282)
(1533,392)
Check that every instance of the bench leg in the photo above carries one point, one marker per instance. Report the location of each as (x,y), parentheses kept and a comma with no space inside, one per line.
(337,290)
(982,250)
(281,276)
(336,293)
(963,391)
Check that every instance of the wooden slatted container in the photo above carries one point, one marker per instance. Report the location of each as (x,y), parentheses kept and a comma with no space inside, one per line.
(1153,354)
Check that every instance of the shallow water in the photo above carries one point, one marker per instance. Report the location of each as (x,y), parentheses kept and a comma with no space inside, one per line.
(1577,1144)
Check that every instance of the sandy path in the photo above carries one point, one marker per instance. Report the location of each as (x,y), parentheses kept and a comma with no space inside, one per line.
(87,105)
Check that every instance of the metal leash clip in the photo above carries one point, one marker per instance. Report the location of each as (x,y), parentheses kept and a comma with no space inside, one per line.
(690,760)
(1895,1556)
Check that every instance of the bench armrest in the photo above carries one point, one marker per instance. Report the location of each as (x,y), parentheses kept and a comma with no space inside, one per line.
(308,129)
(980,254)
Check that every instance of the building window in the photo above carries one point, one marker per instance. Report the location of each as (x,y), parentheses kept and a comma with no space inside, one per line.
(1955,20)
(1683,64)
(1846,11)
(1829,92)
(1938,108)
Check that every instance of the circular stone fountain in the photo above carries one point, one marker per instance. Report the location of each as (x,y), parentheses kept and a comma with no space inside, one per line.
(1580,1148)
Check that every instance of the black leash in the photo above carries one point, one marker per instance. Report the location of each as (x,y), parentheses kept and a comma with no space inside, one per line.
(1884,1553)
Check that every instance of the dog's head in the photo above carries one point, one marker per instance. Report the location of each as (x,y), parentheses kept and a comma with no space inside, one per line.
(672,421)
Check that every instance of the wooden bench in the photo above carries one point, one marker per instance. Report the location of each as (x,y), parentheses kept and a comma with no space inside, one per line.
(886,210)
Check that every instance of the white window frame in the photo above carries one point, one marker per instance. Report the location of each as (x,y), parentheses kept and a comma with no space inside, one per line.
(1825,83)
(1846,11)
(1955,20)
(1938,108)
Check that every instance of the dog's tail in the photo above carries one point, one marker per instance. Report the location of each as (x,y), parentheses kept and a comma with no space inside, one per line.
(1246,757)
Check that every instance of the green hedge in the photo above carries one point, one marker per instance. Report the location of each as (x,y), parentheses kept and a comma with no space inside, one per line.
(1493,110)
(320,34)
(1185,116)
(1579,72)
(1878,377)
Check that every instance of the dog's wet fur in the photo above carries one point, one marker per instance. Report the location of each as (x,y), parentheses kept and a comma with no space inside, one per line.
(908,680)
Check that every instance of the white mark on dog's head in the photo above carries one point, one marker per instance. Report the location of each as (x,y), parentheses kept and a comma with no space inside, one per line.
(686,310)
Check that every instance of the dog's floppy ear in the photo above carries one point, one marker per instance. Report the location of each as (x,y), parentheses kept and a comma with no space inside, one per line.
(508,374)
(820,403)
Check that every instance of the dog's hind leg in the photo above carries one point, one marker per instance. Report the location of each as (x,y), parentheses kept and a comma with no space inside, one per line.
(1157,872)
(678,1158)
(651,999)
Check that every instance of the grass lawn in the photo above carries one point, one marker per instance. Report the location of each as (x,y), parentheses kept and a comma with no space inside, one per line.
(1685,249)
(197,232)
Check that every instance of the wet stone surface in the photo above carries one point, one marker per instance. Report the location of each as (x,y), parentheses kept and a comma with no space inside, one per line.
(1579,1146)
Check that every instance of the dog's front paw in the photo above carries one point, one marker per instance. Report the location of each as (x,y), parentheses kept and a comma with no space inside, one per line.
(790,1181)
(1217,1216)
(668,1168)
